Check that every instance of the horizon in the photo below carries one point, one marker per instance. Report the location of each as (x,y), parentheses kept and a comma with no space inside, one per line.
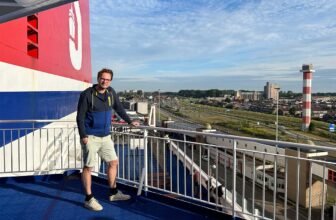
(162,92)
(238,45)
(118,89)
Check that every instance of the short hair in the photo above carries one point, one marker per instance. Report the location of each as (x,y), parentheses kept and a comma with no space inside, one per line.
(105,70)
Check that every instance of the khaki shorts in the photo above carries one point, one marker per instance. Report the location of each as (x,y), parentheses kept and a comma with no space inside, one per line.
(104,146)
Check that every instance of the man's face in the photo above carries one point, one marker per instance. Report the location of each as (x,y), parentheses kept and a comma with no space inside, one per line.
(104,81)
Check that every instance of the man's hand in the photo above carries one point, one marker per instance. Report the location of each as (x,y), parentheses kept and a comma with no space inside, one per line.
(85,140)
(135,123)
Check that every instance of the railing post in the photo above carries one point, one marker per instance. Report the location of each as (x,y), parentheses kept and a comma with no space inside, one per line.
(146,160)
(323,192)
(310,189)
(33,146)
(298,163)
(234,177)
(184,168)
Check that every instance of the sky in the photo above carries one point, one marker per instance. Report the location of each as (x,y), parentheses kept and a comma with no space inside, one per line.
(214,44)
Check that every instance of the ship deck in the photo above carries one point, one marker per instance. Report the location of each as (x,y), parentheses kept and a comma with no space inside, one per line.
(61,197)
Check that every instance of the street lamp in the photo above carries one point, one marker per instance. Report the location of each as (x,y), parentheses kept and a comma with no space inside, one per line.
(159,107)
(277,114)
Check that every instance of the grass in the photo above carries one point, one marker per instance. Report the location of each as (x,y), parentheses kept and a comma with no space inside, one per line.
(254,124)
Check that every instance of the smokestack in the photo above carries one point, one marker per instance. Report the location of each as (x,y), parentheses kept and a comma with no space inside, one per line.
(308,71)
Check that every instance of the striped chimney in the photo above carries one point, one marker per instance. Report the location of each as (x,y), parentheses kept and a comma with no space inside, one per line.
(307,70)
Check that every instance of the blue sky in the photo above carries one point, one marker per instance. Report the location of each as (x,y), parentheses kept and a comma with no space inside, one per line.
(202,44)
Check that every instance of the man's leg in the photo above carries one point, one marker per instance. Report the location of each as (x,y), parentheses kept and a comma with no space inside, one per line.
(86,180)
(89,153)
(115,195)
(108,154)
(90,202)
(112,173)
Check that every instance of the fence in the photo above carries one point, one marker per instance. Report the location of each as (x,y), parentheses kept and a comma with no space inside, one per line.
(225,176)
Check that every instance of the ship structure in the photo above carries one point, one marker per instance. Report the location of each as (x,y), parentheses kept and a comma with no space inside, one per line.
(172,169)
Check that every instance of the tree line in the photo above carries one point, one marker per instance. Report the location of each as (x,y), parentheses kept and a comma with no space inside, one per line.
(205,93)
(221,93)
(291,94)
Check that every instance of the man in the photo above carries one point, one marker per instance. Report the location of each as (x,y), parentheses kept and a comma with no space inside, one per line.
(94,113)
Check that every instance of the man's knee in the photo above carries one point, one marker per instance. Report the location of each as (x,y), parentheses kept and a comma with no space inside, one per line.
(113,163)
(87,169)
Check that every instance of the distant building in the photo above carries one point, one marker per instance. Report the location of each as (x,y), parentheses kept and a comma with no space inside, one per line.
(139,92)
(129,105)
(317,112)
(319,99)
(142,108)
(254,95)
(139,107)
(271,90)
(219,99)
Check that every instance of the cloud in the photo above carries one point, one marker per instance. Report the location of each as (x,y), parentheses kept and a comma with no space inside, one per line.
(181,38)
(138,79)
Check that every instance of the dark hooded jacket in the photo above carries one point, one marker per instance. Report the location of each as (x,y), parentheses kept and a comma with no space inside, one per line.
(94,112)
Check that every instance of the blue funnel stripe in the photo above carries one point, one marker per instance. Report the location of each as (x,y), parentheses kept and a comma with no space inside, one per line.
(30,106)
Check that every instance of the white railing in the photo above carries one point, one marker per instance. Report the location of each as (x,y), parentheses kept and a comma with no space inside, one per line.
(226,176)
(35,150)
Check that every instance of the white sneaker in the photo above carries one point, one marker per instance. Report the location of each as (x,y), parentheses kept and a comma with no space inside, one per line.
(119,196)
(93,205)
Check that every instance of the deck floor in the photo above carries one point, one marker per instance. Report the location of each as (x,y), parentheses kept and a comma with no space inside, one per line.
(54,197)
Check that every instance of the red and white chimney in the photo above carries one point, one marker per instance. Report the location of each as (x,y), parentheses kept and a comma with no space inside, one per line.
(307,70)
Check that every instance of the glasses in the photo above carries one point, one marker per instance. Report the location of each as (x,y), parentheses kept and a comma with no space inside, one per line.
(103,79)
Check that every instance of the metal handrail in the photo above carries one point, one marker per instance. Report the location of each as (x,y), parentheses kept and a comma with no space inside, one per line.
(280,144)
